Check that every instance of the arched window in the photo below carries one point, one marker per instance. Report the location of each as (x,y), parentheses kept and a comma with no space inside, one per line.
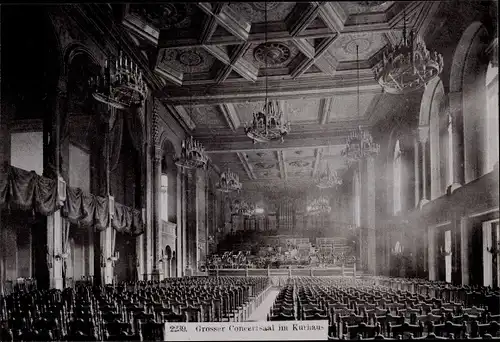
(164,197)
(357,200)
(397,171)
(492,117)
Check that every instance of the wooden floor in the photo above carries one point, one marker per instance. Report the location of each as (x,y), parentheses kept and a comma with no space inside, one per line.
(263,310)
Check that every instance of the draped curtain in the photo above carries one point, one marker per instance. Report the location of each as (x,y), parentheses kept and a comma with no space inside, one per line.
(25,190)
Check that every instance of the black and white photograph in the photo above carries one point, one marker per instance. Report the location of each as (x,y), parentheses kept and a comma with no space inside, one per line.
(249,171)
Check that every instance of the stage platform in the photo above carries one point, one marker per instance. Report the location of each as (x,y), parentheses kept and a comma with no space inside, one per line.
(341,271)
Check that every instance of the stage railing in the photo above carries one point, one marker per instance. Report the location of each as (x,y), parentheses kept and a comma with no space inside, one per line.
(340,271)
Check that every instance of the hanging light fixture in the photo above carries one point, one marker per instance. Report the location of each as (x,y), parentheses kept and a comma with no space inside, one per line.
(241,207)
(193,155)
(229,182)
(328,178)
(359,143)
(121,86)
(408,66)
(319,205)
(269,124)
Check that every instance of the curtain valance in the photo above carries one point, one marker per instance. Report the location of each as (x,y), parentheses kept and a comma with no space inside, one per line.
(25,190)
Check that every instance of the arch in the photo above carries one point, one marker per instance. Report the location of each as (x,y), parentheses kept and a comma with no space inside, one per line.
(465,49)
(433,91)
(73,50)
(432,108)
(468,80)
(168,145)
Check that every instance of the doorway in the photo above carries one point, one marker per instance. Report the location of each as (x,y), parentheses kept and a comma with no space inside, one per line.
(491,244)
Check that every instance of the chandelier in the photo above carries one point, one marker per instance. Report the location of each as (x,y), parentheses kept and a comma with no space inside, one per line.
(192,155)
(360,145)
(121,86)
(229,181)
(319,205)
(268,124)
(408,66)
(241,207)
(328,179)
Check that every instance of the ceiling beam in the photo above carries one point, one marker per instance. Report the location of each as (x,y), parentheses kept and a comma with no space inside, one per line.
(302,18)
(317,160)
(333,16)
(300,140)
(224,72)
(325,108)
(282,164)
(308,62)
(225,18)
(303,87)
(246,165)
(179,112)
(253,38)
(229,112)
(210,23)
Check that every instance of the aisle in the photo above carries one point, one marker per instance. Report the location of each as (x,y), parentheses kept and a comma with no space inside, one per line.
(260,314)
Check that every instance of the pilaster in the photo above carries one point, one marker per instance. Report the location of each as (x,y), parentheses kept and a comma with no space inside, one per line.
(457,129)
(464,249)
(180,244)
(431,236)
(370,215)
(423,138)
(157,235)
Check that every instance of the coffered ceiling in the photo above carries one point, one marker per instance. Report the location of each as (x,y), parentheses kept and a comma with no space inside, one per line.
(211,56)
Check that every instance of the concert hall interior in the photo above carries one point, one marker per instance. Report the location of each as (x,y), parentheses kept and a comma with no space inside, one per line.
(246,162)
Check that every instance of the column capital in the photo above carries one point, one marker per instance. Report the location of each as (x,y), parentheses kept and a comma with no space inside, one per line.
(423,134)
(158,153)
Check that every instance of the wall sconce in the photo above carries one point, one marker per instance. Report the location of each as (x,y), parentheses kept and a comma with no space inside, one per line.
(494,250)
(114,258)
(444,252)
(61,256)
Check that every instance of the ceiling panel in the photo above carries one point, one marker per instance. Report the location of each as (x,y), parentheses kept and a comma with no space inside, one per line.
(302,110)
(345,107)
(261,156)
(245,110)
(302,153)
(357,7)
(207,116)
(369,43)
(255,12)
(190,60)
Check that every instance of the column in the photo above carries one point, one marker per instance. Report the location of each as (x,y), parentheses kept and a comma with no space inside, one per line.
(416,164)
(457,129)
(157,235)
(423,138)
(191,221)
(108,235)
(369,209)
(464,249)
(179,242)
(431,236)
(56,124)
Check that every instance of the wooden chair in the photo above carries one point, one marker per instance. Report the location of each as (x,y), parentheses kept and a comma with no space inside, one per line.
(405,329)
(366,331)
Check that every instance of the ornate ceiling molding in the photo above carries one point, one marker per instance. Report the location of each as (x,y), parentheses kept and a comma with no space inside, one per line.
(246,165)
(318,154)
(282,164)
(232,118)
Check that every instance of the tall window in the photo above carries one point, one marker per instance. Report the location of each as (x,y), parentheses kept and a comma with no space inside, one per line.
(492,117)
(450,151)
(164,197)
(397,171)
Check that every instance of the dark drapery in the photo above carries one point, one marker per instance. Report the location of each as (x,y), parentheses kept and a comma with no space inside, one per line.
(25,190)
